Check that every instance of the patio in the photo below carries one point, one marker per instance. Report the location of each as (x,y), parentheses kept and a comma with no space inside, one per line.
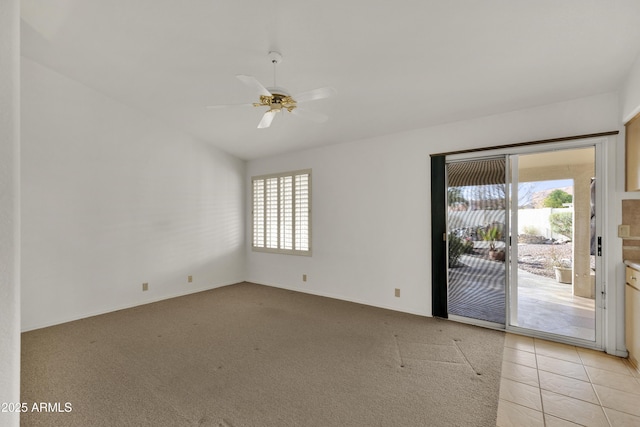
(476,290)
(549,306)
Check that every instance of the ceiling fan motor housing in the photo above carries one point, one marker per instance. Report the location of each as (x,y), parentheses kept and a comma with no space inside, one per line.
(277,101)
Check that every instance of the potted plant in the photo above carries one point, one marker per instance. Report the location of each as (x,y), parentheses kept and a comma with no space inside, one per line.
(562,268)
(491,235)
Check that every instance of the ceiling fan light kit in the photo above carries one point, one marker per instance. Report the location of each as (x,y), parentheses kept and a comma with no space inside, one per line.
(278,99)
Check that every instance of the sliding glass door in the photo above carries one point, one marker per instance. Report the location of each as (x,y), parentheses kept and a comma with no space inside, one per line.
(522,242)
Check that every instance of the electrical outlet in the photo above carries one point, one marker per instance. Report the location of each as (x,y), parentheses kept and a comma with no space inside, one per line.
(624,230)
(189,279)
(304,277)
(398,292)
(145,286)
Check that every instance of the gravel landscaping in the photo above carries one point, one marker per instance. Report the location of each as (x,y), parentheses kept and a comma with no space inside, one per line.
(536,259)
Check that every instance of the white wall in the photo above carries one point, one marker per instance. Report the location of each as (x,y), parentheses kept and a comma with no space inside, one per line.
(9,207)
(371,202)
(113,198)
(630,93)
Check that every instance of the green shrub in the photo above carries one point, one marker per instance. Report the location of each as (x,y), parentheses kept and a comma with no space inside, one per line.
(456,248)
(491,235)
(562,223)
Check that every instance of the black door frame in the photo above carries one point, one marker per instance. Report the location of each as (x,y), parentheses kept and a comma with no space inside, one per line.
(438,237)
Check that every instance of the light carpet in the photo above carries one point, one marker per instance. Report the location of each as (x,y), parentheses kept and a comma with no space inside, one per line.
(252,355)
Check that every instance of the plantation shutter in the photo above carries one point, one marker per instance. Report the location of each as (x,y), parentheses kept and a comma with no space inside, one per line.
(271,213)
(286,212)
(258,213)
(302,212)
(281,213)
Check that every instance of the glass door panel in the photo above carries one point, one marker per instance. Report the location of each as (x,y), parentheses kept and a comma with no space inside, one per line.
(477,226)
(553,264)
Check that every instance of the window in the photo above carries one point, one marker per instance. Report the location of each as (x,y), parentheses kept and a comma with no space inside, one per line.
(282,213)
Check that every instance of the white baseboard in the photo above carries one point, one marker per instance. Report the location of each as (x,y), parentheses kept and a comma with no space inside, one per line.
(342,298)
(126,306)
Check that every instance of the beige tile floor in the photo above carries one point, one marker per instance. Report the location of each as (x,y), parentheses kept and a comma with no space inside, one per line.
(550,384)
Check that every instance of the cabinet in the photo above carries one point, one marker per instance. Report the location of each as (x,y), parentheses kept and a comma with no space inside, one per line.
(632,315)
(632,144)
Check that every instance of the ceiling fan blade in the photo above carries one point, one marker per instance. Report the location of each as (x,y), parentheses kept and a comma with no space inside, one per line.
(267,118)
(311,115)
(254,84)
(312,95)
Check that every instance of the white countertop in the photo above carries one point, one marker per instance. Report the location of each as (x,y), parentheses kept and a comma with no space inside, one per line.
(633,263)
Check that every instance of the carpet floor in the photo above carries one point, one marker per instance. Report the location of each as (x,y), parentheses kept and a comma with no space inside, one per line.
(252,355)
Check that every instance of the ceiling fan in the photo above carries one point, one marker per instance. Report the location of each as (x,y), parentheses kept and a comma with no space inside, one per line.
(277,99)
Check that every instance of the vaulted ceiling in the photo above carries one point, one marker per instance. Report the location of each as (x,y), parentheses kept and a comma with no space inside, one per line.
(396,65)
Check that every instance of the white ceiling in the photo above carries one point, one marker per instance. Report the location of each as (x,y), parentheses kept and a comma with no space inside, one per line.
(396,65)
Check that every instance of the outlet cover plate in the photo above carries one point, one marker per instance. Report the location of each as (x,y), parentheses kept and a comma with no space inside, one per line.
(624,230)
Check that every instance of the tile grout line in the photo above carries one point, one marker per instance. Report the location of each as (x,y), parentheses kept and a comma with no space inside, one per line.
(535,349)
(538,377)
(591,383)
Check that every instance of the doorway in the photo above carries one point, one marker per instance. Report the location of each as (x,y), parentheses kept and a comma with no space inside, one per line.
(554,256)
(522,242)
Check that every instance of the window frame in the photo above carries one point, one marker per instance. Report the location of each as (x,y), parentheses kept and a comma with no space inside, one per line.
(263,207)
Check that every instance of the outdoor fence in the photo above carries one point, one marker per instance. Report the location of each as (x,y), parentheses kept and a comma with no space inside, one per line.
(530,221)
